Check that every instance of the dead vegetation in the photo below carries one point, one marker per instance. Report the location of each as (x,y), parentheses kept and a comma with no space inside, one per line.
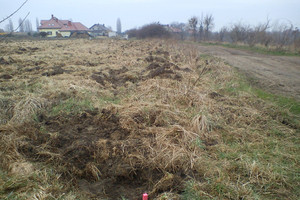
(114,119)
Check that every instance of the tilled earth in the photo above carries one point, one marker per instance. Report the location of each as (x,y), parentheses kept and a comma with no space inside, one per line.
(119,118)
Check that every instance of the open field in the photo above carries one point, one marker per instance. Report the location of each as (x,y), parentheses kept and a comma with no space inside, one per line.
(108,119)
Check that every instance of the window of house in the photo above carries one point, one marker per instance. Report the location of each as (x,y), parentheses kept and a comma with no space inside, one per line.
(49,32)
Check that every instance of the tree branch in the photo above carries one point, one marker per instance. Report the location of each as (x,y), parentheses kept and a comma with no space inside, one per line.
(21,22)
(14,12)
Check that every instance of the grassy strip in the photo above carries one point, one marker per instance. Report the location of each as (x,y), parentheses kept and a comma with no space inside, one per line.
(266,167)
(256,49)
(284,103)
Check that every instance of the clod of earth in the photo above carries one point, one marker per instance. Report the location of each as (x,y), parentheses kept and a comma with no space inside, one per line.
(6,76)
(56,70)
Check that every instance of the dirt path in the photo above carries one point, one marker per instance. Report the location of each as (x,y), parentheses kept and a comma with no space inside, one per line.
(277,74)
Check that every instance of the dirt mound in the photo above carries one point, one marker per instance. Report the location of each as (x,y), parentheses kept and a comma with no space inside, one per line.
(115,77)
(160,67)
(6,76)
(56,70)
(76,138)
(167,70)
(22,50)
(6,61)
(93,147)
(37,68)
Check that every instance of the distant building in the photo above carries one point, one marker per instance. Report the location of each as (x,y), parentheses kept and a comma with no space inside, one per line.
(64,28)
(99,30)
(112,34)
(173,29)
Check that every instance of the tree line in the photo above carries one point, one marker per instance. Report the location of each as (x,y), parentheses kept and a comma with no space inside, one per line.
(201,29)
(24,26)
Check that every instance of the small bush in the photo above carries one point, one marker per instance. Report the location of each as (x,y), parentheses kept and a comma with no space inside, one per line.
(43,34)
(154,30)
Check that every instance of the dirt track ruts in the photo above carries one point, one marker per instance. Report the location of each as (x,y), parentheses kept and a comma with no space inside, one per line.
(277,74)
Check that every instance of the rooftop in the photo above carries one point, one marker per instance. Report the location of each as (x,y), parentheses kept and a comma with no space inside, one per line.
(63,25)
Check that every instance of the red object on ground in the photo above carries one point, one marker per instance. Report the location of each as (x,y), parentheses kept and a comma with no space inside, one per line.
(145,196)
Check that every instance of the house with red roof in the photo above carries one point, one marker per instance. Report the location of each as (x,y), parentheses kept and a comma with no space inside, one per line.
(65,28)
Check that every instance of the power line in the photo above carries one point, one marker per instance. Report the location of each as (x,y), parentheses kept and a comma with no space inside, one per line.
(13,12)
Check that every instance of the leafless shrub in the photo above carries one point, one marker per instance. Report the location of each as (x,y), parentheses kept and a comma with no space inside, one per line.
(282,35)
(193,22)
(154,30)
(239,32)
(222,33)
(208,23)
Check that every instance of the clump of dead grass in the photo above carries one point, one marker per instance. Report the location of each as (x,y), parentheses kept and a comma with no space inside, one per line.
(24,110)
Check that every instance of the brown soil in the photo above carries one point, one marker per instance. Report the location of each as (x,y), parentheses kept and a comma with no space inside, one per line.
(99,153)
(158,67)
(278,74)
(55,71)
(93,148)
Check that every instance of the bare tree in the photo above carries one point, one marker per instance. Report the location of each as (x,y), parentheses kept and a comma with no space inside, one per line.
(181,27)
(193,22)
(21,25)
(208,25)
(119,26)
(11,31)
(222,33)
(201,28)
(37,23)
(239,32)
(27,26)
(258,34)
(282,34)
(10,26)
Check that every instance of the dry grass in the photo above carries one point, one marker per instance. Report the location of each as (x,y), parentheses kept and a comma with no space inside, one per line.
(135,116)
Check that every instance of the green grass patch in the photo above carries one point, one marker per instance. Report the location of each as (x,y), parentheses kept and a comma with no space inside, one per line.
(109,99)
(10,185)
(71,106)
(284,102)
(235,87)
(269,157)
(75,106)
(191,191)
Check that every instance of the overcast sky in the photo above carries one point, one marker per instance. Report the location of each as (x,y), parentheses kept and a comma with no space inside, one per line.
(135,13)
